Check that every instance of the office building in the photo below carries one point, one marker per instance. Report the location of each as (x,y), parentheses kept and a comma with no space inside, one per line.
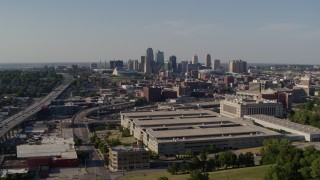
(148,61)
(152,94)
(173,61)
(130,64)
(208,61)
(216,64)
(93,66)
(195,59)
(238,106)
(159,58)
(116,63)
(174,132)
(136,65)
(237,66)
(167,66)
(142,62)
(183,67)
(128,158)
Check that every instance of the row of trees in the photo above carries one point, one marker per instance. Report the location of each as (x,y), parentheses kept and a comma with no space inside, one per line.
(102,146)
(204,164)
(290,162)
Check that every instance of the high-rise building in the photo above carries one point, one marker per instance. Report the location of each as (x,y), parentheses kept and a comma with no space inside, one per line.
(208,61)
(148,61)
(136,65)
(130,64)
(159,58)
(216,64)
(195,59)
(237,66)
(152,94)
(173,61)
(93,66)
(184,66)
(141,65)
(167,66)
(116,63)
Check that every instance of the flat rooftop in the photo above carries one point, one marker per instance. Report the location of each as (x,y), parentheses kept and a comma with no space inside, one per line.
(182,121)
(52,145)
(190,125)
(128,149)
(204,132)
(167,113)
(47,150)
(286,123)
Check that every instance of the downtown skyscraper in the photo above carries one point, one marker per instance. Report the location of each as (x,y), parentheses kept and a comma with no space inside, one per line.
(208,61)
(195,59)
(237,66)
(149,60)
(159,58)
(173,61)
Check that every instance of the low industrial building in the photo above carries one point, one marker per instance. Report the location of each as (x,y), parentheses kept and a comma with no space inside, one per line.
(52,151)
(238,106)
(174,132)
(310,133)
(128,158)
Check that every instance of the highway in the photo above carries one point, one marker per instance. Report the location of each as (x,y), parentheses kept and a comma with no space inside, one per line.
(7,124)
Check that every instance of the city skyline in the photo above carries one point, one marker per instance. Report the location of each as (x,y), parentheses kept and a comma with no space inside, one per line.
(80,31)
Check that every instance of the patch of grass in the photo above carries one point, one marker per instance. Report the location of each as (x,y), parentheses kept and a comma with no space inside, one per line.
(249,173)
(115,134)
(253,150)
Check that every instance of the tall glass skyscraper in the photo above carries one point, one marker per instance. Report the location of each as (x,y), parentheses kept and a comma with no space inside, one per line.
(173,62)
(195,59)
(208,61)
(159,58)
(148,61)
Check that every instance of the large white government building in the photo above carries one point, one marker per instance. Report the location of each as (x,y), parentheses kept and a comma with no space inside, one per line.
(173,132)
(238,106)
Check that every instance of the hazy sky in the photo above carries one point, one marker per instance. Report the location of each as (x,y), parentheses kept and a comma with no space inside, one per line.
(277,31)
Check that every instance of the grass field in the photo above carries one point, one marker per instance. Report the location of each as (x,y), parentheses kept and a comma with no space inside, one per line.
(115,134)
(253,150)
(250,173)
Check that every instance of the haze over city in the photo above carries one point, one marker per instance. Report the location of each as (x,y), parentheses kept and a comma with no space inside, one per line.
(84,31)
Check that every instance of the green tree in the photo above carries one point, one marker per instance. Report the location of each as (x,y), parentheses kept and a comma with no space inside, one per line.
(249,159)
(227,159)
(315,169)
(125,132)
(197,175)
(173,168)
(203,160)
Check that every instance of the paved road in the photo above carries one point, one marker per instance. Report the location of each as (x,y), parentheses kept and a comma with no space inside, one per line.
(7,124)
(95,167)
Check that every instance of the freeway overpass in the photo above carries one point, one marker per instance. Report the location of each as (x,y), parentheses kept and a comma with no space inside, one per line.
(7,125)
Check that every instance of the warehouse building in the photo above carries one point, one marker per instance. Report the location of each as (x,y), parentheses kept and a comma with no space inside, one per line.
(310,133)
(238,106)
(52,151)
(174,132)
